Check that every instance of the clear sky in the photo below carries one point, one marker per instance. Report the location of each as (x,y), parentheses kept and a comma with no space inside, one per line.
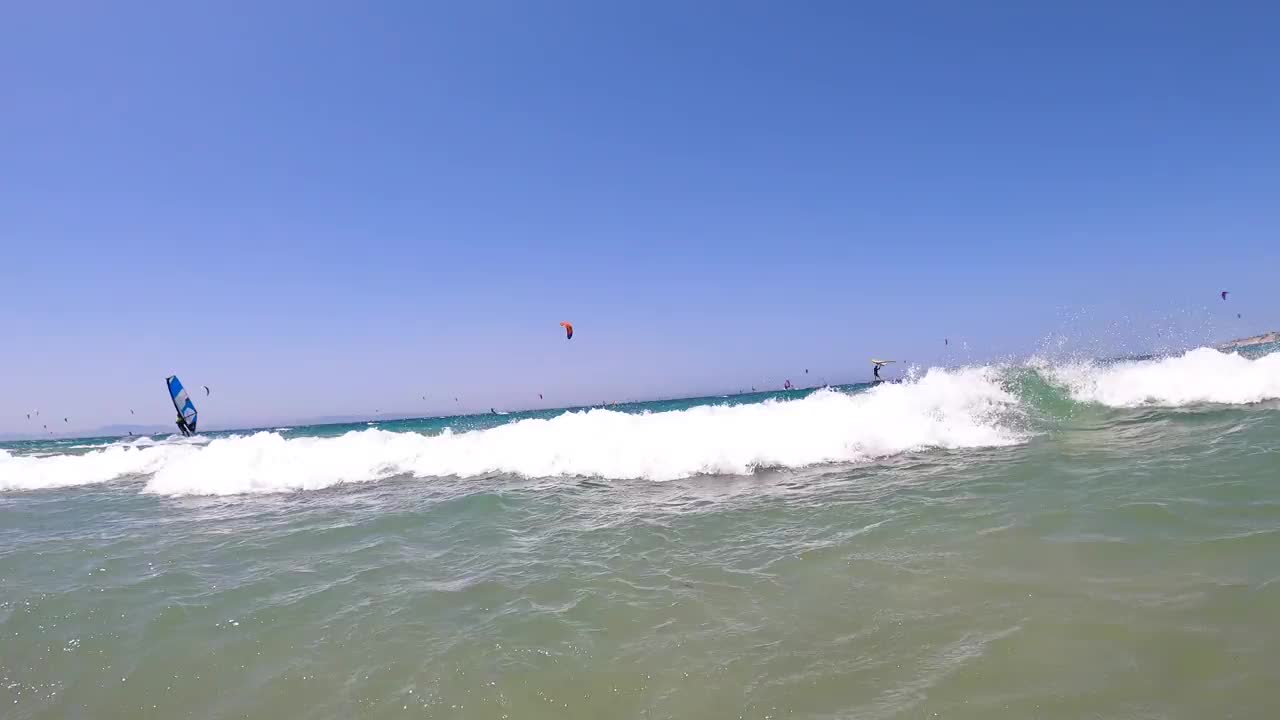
(332,208)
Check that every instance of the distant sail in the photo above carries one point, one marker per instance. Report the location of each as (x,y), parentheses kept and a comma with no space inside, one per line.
(181,402)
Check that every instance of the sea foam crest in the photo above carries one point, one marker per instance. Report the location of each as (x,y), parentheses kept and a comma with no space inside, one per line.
(943,409)
(1201,376)
(27,472)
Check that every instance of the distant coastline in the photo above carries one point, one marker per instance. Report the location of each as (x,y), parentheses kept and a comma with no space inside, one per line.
(1263,339)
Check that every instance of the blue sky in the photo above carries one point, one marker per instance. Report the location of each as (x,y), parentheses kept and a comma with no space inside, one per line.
(330,208)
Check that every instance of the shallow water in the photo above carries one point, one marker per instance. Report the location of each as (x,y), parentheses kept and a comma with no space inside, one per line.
(1105,561)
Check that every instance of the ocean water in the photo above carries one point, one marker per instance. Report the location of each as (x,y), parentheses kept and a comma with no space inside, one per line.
(1032,540)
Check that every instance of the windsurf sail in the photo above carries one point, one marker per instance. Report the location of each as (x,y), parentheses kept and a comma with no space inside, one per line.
(182,403)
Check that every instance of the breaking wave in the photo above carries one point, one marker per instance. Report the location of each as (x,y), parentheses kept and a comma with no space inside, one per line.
(1202,376)
(943,409)
(957,408)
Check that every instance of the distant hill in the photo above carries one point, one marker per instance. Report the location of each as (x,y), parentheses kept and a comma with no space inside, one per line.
(1263,339)
(101,432)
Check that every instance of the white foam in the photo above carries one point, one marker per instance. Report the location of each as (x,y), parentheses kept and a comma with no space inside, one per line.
(29,472)
(149,441)
(1202,376)
(943,409)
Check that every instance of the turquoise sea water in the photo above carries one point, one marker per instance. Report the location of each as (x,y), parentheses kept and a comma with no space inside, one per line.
(1073,540)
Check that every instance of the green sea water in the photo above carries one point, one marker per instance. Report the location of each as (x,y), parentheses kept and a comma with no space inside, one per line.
(1014,542)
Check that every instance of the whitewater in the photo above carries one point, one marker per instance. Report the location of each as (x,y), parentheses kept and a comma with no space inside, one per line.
(943,409)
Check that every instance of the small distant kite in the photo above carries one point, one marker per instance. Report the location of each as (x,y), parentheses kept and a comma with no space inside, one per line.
(946,341)
(806,371)
(1224,294)
(1237,316)
(64,419)
(568,330)
(131,411)
(206,390)
(786,385)
(539,396)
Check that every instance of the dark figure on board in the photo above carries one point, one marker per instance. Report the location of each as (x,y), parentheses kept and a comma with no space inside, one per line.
(183,427)
(875,369)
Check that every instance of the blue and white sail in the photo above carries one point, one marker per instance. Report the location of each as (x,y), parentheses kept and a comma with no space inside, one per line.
(182,403)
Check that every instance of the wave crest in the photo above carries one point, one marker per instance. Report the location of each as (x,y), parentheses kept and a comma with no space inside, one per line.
(1201,376)
(943,409)
(959,408)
